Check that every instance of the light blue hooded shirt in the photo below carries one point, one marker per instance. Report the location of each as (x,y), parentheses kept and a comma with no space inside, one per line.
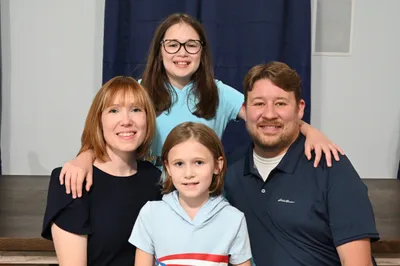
(217,234)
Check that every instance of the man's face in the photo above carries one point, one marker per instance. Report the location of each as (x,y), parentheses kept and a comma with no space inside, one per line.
(272,118)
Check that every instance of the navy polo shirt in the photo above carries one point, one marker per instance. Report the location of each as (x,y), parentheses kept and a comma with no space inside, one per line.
(300,214)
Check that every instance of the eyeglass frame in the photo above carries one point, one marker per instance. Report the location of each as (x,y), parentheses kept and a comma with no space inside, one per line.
(182,44)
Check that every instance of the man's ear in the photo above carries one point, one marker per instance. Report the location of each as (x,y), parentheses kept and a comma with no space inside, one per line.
(300,106)
(243,112)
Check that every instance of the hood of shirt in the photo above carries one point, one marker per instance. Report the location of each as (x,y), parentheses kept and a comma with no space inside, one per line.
(205,214)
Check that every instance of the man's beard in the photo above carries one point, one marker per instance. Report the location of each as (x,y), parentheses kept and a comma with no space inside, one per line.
(274,144)
(279,143)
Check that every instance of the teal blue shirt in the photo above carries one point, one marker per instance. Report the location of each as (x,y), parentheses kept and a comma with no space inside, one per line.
(230,102)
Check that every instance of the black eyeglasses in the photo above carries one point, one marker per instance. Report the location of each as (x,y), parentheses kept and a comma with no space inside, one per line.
(173,46)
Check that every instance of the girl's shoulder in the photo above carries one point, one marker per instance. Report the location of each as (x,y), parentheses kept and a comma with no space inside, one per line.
(153,210)
(227,211)
(221,85)
(227,90)
(233,213)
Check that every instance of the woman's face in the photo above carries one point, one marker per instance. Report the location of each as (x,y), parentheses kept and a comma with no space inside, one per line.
(180,66)
(124,125)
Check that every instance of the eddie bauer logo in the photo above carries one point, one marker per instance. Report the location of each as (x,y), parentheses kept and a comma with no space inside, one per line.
(286,201)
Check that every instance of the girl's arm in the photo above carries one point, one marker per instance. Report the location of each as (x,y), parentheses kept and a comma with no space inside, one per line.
(315,140)
(143,258)
(76,171)
(318,142)
(246,263)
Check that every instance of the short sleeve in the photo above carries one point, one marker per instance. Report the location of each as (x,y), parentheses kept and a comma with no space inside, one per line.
(350,211)
(240,249)
(141,232)
(230,101)
(71,215)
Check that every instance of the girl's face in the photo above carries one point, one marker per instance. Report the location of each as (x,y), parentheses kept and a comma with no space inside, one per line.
(180,66)
(124,125)
(191,167)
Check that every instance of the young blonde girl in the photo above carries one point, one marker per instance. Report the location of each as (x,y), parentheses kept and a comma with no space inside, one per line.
(193,224)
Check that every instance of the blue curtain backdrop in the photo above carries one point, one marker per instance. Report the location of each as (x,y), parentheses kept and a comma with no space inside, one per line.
(245,34)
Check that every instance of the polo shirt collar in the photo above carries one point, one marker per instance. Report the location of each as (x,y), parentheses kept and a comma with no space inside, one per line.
(289,161)
(287,164)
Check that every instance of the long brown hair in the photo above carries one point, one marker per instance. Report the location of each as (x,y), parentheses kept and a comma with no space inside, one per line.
(204,135)
(92,136)
(155,78)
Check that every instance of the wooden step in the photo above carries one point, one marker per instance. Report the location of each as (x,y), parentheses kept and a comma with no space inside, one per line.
(27,258)
(388,259)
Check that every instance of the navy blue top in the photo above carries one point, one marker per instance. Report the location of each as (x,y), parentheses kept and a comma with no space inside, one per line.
(300,214)
(106,214)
